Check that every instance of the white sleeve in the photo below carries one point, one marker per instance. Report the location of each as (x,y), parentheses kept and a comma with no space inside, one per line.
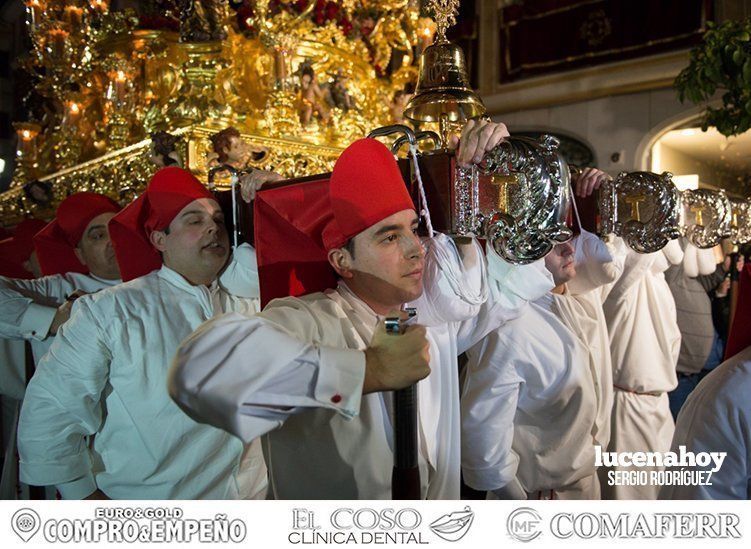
(511,288)
(240,278)
(477,292)
(27,307)
(716,422)
(247,375)
(597,264)
(454,285)
(635,267)
(515,285)
(62,407)
(488,406)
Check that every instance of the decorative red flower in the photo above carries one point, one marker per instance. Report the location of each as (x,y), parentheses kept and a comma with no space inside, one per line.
(346,26)
(332,10)
(318,13)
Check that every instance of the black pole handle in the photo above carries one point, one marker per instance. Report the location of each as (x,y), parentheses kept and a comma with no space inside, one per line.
(405,480)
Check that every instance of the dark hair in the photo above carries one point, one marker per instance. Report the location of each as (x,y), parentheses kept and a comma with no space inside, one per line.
(46,189)
(220,141)
(164,144)
(306,68)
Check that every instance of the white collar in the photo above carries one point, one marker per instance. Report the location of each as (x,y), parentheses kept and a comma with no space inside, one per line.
(357,304)
(105,281)
(176,279)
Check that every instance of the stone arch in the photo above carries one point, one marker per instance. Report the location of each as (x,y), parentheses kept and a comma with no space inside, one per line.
(642,156)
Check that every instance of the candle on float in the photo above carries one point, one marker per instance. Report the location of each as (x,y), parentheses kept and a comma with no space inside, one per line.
(100,6)
(73,15)
(72,113)
(426,31)
(27,134)
(58,39)
(121,81)
(35,9)
(280,65)
(427,36)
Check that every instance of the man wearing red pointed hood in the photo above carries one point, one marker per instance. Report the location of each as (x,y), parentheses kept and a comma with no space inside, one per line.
(75,255)
(105,377)
(17,260)
(716,416)
(17,255)
(315,372)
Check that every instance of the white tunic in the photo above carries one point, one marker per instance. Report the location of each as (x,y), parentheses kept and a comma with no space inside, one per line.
(298,368)
(580,309)
(105,376)
(528,406)
(583,315)
(716,418)
(644,345)
(27,308)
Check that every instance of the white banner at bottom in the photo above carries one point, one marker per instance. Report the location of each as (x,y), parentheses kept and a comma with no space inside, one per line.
(271,524)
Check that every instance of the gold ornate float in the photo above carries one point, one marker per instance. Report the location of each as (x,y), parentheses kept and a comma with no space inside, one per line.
(299,79)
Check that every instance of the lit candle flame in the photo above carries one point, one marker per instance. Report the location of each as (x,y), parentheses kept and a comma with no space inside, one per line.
(99,5)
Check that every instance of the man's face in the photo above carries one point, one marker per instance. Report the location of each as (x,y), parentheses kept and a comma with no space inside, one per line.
(560,263)
(196,245)
(387,267)
(95,248)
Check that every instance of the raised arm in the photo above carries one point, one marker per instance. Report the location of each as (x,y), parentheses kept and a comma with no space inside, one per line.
(240,277)
(29,308)
(511,287)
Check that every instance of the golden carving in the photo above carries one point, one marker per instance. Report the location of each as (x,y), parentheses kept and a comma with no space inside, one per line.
(109,84)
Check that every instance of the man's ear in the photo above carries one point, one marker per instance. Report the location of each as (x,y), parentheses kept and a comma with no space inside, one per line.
(80,256)
(341,261)
(158,240)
